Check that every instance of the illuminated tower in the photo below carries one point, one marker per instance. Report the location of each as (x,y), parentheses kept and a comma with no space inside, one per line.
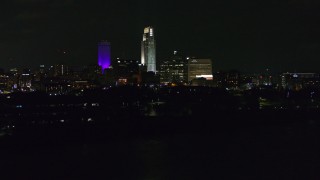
(104,55)
(148,49)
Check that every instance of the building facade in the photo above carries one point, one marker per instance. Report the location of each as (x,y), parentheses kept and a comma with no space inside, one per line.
(199,68)
(173,70)
(148,49)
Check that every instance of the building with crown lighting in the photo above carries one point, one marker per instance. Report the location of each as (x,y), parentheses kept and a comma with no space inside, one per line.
(148,49)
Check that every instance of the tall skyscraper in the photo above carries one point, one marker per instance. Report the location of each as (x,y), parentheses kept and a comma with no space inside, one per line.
(148,49)
(104,55)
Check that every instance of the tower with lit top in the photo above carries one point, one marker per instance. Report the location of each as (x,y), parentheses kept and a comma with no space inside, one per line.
(148,49)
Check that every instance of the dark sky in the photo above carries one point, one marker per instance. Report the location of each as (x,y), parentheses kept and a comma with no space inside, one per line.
(244,35)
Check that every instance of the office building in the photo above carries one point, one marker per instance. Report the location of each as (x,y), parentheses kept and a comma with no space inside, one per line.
(228,79)
(104,55)
(148,49)
(60,70)
(199,68)
(173,70)
(25,81)
(127,71)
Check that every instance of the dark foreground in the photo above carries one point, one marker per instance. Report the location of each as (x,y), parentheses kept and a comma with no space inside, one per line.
(227,145)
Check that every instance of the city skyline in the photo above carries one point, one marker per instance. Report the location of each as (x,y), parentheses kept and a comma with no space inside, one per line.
(247,36)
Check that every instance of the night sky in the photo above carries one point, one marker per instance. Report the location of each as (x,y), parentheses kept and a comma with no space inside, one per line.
(246,35)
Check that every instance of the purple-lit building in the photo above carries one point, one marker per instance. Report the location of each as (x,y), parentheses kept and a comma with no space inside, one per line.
(104,55)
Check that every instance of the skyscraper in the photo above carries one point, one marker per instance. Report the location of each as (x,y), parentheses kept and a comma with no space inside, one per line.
(148,49)
(104,55)
(173,69)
